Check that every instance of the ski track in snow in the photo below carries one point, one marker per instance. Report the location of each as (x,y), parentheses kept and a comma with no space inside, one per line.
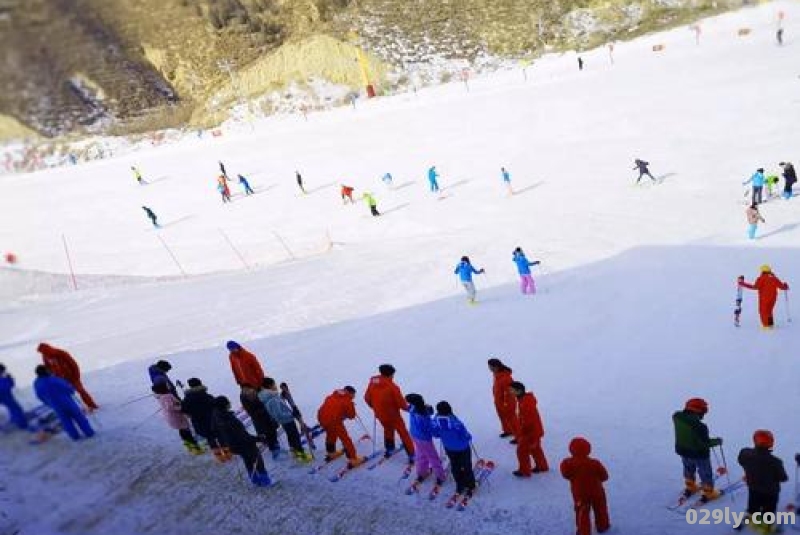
(633,314)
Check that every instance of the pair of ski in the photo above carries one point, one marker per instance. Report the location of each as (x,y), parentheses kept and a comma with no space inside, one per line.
(685,503)
(482,470)
(414,489)
(43,423)
(339,474)
(385,458)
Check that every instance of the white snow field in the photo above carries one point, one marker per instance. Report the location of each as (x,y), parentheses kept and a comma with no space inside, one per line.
(634,312)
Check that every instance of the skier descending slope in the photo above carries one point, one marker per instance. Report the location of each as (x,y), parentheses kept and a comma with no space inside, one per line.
(767,285)
(764,474)
(151,215)
(465,270)
(586,477)
(433,175)
(693,445)
(233,435)
(526,283)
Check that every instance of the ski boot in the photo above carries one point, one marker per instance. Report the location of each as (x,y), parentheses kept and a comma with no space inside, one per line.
(332,456)
(261,479)
(358,461)
(302,456)
(193,447)
(709,494)
(690,488)
(223,454)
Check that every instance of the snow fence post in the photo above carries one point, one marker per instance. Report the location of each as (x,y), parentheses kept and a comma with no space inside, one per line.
(69,263)
(235,250)
(286,247)
(171,254)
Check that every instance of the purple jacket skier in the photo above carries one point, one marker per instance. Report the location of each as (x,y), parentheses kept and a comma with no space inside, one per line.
(421,429)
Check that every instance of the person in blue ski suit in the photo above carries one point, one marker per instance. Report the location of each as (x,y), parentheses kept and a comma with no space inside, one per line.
(758,180)
(457,445)
(526,282)
(58,394)
(246,185)
(506,179)
(465,270)
(7,398)
(158,374)
(432,176)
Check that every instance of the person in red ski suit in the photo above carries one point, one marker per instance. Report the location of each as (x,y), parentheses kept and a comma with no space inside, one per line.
(61,364)
(245,366)
(586,477)
(767,285)
(331,415)
(529,435)
(385,398)
(504,401)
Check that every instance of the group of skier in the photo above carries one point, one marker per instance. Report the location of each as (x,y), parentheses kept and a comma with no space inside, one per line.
(758,181)
(465,270)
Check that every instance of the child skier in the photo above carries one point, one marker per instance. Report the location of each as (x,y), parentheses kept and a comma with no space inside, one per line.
(151,215)
(764,474)
(465,270)
(427,459)
(233,435)
(693,445)
(526,282)
(530,432)
(373,204)
(199,405)
(504,401)
(347,194)
(387,179)
(586,477)
(767,285)
(433,175)
(61,364)
(158,374)
(384,397)
(457,442)
(506,180)
(266,427)
(57,394)
(277,408)
(771,181)
(757,180)
(15,412)
(138,176)
(222,187)
(171,409)
(331,415)
(789,179)
(753,219)
(246,185)
(641,166)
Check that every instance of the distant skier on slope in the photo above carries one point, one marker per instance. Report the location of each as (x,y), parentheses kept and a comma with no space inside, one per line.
(387,179)
(457,443)
(586,477)
(526,282)
(757,180)
(372,203)
(693,444)
(58,394)
(506,176)
(385,398)
(789,177)
(465,270)
(233,435)
(753,219)
(61,364)
(530,432)
(171,410)
(224,191)
(246,185)
(764,474)
(15,412)
(299,178)
(505,403)
(767,285)
(158,374)
(138,176)
(151,215)
(421,424)
(433,175)
(347,194)
(642,167)
(331,415)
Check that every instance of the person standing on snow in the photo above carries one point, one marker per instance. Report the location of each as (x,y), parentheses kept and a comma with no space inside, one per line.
(224,191)
(247,371)
(764,474)
(767,285)
(421,424)
(299,181)
(387,179)
(642,167)
(504,401)
(15,412)
(530,432)
(198,404)
(282,414)
(347,194)
(57,393)
(465,270)
(506,180)
(138,176)
(758,180)
(158,374)
(222,170)
(246,185)
(433,175)
(151,215)
(789,178)
(457,443)
(372,203)
(586,477)
(693,444)
(331,415)
(385,398)
(61,364)
(753,218)
(526,282)
(171,409)
(233,435)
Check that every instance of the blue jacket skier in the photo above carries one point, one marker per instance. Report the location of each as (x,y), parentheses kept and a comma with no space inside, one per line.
(7,398)
(757,180)
(506,179)
(158,374)
(246,185)
(527,284)
(465,270)
(432,176)
(457,445)
(58,394)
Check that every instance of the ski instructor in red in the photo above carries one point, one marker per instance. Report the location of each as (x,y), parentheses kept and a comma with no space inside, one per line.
(61,364)
(384,397)
(767,286)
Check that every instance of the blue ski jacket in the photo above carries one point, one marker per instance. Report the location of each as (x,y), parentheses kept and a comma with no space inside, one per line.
(757,179)
(432,174)
(523,265)
(276,407)
(464,270)
(451,431)
(56,393)
(420,424)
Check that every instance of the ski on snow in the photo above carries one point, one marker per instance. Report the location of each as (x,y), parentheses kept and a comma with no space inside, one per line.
(347,468)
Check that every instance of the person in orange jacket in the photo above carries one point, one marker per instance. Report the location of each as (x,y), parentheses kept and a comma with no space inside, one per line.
(347,194)
(61,364)
(385,398)
(504,402)
(529,433)
(245,366)
(767,285)
(586,477)
(331,415)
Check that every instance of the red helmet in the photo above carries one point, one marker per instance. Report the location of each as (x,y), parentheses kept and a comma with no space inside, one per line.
(698,405)
(763,438)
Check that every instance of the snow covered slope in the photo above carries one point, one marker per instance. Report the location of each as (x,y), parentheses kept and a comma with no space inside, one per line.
(633,316)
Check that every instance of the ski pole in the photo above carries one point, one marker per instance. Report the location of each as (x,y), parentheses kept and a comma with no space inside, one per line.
(140,424)
(788,309)
(374,432)
(727,473)
(366,432)
(135,400)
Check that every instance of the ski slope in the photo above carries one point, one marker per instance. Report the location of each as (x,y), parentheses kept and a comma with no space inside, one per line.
(633,314)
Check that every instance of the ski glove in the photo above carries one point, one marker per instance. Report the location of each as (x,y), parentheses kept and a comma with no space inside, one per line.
(715,442)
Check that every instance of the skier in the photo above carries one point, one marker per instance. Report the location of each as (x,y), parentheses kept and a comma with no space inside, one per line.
(138,176)
(770,181)
(222,170)
(432,176)
(385,398)
(753,218)
(347,194)
(331,415)
(233,435)
(767,285)
(789,178)
(504,401)
(245,366)
(198,404)
(506,180)
(277,408)
(387,179)
(580,63)
(246,185)
(465,270)
(758,181)
(457,442)
(530,431)
(158,374)
(586,477)
(57,393)
(693,445)
(372,203)
(266,427)
(764,474)
(526,282)
(61,364)
(427,459)
(299,181)
(779,36)
(15,412)
(171,409)
(224,191)
(641,166)
(151,215)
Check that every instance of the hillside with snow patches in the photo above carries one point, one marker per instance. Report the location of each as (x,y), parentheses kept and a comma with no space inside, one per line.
(634,312)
